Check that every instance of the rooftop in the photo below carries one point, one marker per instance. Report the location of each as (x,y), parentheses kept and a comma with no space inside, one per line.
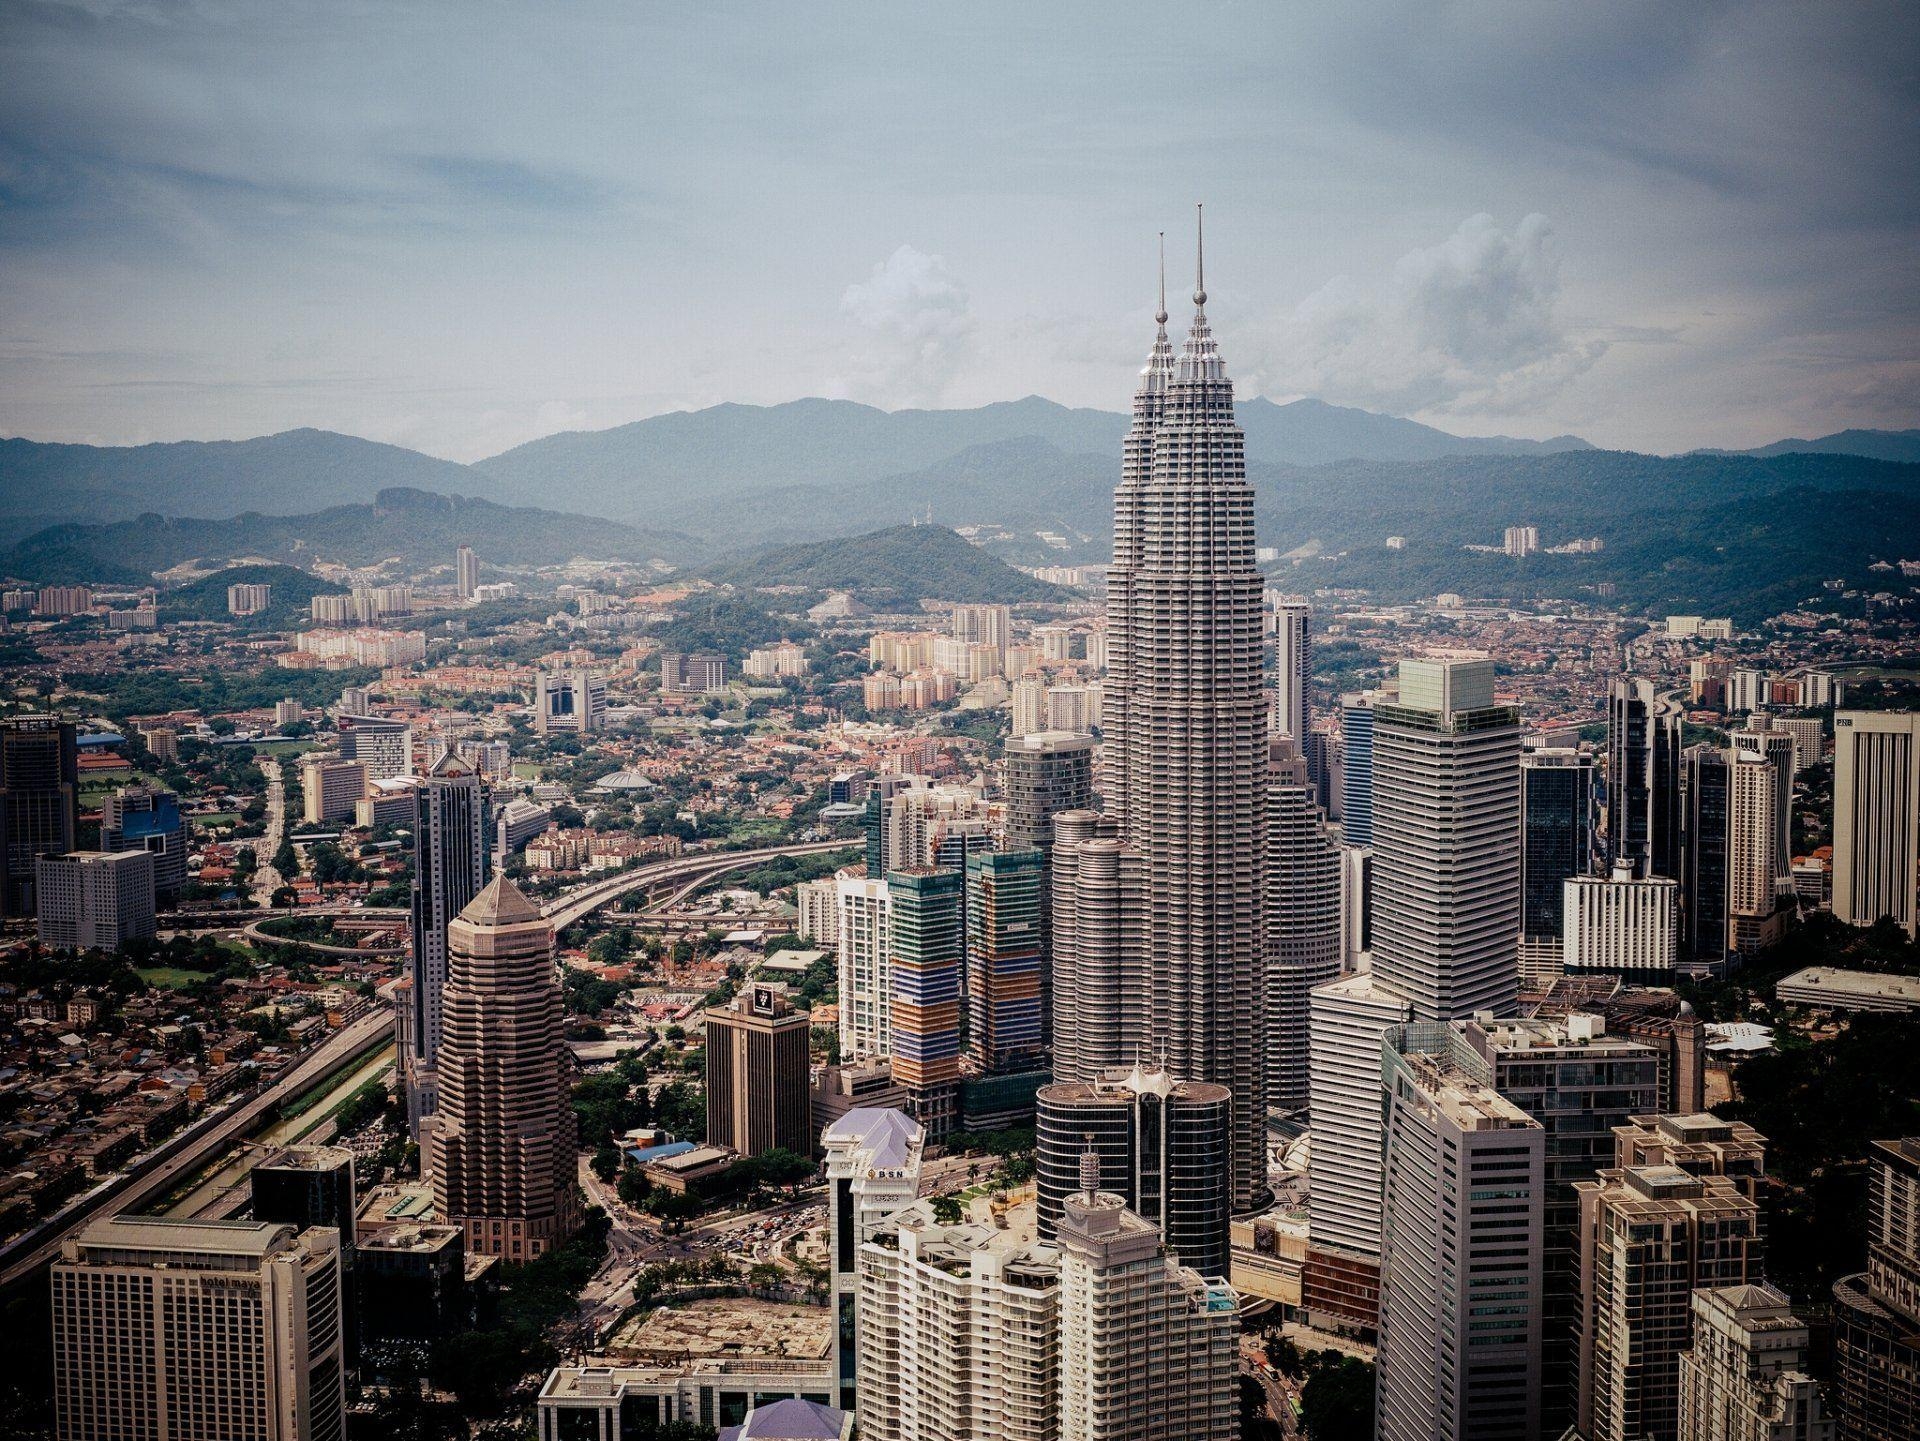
(253,1239)
(731,1327)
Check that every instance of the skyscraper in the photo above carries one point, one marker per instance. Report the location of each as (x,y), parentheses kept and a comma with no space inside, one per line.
(1148,1348)
(926,950)
(1643,777)
(1302,920)
(864,922)
(1356,776)
(1876,816)
(1047,772)
(1649,1235)
(1186,716)
(1755,915)
(1775,744)
(1099,949)
(1292,710)
(94,900)
(165,1328)
(569,702)
(1460,1279)
(1446,882)
(449,868)
(39,802)
(501,1145)
(384,747)
(757,1077)
(466,567)
(873,1168)
(1556,799)
(1703,889)
(1005,958)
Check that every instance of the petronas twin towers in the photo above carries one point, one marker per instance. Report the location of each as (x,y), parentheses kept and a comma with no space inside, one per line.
(1173,973)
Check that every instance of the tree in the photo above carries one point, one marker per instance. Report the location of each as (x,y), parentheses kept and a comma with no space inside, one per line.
(1336,1404)
(284,898)
(606,1162)
(764,1276)
(947,1210)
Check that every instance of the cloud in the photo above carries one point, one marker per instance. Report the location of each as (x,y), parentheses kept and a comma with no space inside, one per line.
(1468,325)
(916,328)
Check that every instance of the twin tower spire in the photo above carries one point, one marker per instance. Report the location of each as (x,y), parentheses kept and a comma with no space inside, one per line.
(1199,357)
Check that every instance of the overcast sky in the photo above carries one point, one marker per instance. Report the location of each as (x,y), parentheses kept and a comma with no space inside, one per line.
(458,226)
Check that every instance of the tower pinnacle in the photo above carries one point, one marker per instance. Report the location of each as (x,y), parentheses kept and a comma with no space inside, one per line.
(1161,314)
(1199,255)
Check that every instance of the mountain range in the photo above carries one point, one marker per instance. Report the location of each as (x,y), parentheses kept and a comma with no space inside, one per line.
(890,569)
(415,526)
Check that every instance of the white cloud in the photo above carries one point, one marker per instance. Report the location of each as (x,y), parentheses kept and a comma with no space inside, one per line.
(1468,325)
(916,328)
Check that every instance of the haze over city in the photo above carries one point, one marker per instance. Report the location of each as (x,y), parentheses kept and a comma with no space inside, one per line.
(972,723)
(457,228)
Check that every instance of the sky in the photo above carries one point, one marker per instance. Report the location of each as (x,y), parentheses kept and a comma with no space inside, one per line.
(458,225)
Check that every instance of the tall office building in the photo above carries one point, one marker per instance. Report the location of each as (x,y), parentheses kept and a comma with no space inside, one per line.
(39,802)
(1006,942)
(1756,917)
(693,674)
(1643,777)
(1703,890)
(384,747)
(1625,924)
(94,900)
(569,702)
(1649,1235)
(1356,775)
(1047,772)
(1148,1349)
(1877,1312)
(449,868)
(1340,1283)
(1098,984)
(1446,884)
(1460,1261)
(330,789)
(1745,1377)
(147,818)
(873,1160)
(1162,1146)
(1876,817)
(1579,1083)
(1767,739)
(1445,933)
(1302,943)
(1556,810)
(864,912)
(500,1147)
(1292,711)
(466,572)
(926,951)
(176,1329)
(1185,713)
(758,1084)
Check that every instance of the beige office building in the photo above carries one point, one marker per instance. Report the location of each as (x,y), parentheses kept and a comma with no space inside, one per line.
(170,1330)
(1876,816)
(1745,1379)
(501,1147)
(1648,1236)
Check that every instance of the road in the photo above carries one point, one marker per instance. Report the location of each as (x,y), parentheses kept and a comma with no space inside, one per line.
(696,870)
(182,1156)
(266,880)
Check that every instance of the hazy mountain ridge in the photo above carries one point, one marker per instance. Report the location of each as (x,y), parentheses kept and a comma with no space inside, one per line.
(416,525)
